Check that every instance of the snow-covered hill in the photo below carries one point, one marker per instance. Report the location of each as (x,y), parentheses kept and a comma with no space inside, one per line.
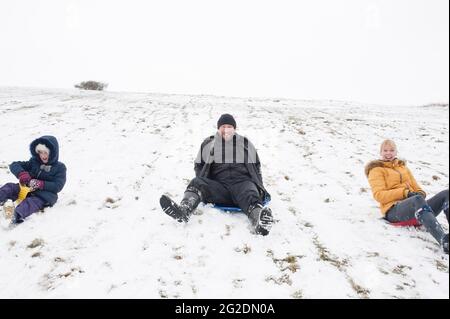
(107,236)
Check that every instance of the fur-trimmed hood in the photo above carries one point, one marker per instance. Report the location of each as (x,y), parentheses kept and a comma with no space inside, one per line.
(379,163)
(51,143)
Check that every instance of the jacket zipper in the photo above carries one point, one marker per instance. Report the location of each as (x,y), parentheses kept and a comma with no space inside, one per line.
(401,176)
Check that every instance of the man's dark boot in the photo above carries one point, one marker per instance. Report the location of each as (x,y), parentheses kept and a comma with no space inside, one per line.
(182,212)
(261,219)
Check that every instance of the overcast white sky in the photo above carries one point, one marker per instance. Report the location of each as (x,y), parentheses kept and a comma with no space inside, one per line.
(377,51)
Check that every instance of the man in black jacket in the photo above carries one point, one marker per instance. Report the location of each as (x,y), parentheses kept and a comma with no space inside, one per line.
(228,172)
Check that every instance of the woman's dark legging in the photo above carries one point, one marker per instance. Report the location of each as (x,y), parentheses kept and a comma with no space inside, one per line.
(425,211)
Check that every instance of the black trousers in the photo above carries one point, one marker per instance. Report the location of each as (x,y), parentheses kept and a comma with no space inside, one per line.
(242,194)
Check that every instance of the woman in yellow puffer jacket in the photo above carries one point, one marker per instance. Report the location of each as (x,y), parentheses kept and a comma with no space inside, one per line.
(400,196)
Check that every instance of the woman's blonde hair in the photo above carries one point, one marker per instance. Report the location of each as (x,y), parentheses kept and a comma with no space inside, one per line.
(388,143)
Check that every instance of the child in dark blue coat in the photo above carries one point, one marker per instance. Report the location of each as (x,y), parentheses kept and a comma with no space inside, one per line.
(43,174)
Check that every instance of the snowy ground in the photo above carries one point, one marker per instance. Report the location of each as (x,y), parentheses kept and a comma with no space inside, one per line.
(107,236)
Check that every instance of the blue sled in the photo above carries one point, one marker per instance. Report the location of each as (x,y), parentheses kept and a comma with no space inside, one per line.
(235,209)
